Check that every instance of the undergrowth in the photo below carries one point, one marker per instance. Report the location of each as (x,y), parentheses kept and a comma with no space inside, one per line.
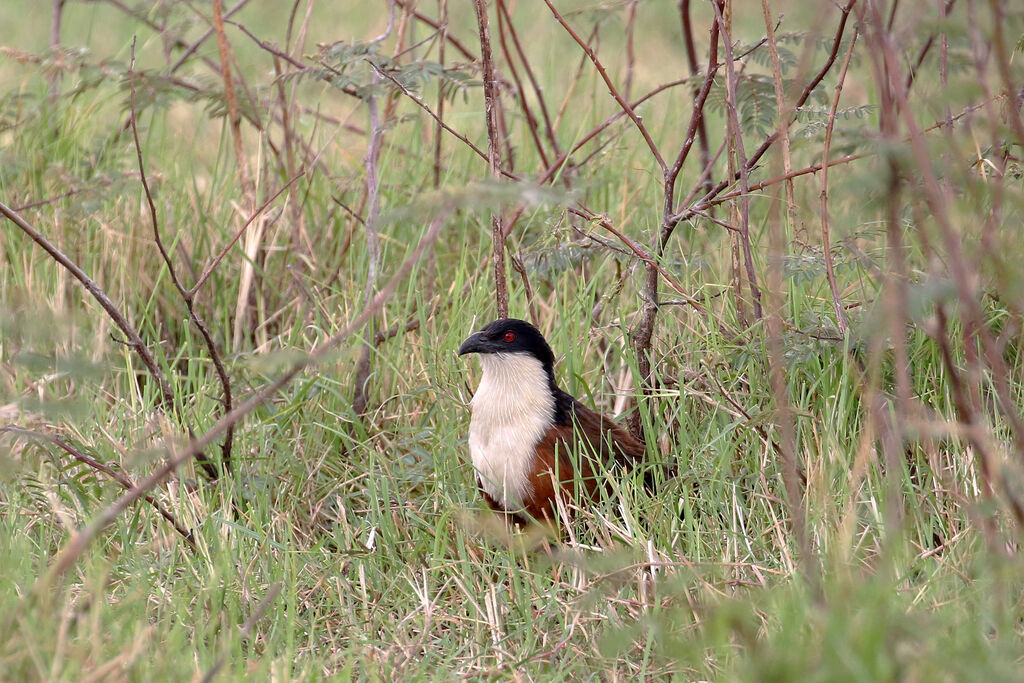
(339,543)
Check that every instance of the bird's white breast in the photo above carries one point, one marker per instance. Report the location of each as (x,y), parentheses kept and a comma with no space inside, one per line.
(512,409)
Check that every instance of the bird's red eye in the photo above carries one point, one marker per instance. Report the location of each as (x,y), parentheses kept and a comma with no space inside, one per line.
(509,336)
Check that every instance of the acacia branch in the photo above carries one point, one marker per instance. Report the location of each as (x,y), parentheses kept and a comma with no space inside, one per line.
(79,541)
(717,198)
(640,252)
(826,243)
(883,52)
(186,295)
(780,108)
(1011,91)
(439,25)
(121,479)
(643,335)
(549,130)
(550,172)
(770,140)
(241,231)
(234,118)
(191,49)
(504,27)
(691,58)
(742,162)
(133,339)
(248,188)
(437,119)
(493,157)
(623,104)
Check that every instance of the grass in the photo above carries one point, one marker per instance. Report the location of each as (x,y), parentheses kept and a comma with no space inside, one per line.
(345,546)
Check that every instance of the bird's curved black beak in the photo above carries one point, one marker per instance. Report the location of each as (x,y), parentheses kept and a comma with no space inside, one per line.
(476,343)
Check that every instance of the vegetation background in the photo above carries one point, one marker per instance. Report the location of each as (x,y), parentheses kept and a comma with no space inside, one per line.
(241,244)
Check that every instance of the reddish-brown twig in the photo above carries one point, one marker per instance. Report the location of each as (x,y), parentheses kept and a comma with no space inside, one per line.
(781,110)
(1011,90)
(119,319)
(826,242)
(784,420)
(800,101)
(443,23)
(422,105)
(493,156)
(538,92)
(691,58)
(623,104)
(191,49)
(944,10)
(186,295)
(78,542)
(504,27)
(640,252)
(937,202)
(241,231)
(736,133)
(234,117)
(242,163)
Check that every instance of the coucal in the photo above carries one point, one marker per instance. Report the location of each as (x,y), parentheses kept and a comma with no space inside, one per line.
(528,439)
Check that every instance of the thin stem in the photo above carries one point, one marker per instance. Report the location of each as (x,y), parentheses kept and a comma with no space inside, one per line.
(77,544)
(826,242)
(611,86)
(493,157)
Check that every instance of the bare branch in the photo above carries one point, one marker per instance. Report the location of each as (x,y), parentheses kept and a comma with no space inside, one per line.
(78,542)
(405,91)
(826,242)
(208,467)
(55,23)
(493,156)
(363,368)
(781,110)
(121,479)
(742,162)
(623,104)
(191,49)
(119,319)
(691,57)
(443,23)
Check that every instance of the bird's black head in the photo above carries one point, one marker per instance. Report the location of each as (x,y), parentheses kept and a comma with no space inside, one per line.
(509,335)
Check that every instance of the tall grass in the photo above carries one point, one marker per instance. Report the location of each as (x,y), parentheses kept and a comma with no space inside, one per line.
(342,544)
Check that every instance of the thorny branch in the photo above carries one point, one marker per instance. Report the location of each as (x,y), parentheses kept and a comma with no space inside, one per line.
(71,551)
(937,202)
(121,479)
(119,319)
(826,242)
(623,104)
(187,296)
(737,147)
(362,374)
(491,106)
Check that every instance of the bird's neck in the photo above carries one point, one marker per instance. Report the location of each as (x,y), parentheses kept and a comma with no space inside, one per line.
(514,385)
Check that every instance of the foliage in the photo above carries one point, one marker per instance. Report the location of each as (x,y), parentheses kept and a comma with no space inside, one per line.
(347,544)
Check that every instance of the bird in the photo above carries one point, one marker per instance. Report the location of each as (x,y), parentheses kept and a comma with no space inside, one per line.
(529,441)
